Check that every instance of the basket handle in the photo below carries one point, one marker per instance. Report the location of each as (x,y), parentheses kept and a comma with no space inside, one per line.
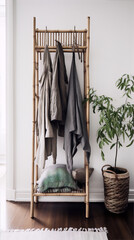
(108,171)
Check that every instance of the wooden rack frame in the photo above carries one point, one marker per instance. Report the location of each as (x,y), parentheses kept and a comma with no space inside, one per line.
(66,37)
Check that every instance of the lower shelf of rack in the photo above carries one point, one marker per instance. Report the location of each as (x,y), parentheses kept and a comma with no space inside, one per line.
(80,194)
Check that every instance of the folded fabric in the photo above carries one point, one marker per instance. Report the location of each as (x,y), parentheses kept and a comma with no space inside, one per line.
(79,174)
(56,176)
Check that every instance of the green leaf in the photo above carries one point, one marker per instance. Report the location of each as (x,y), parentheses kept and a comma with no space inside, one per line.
(93,109)
(101,144)
(123,133)
(120,145)
(102,155)
(130,143)
(112,145)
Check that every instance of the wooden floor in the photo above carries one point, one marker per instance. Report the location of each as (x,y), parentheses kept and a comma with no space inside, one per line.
(54,215)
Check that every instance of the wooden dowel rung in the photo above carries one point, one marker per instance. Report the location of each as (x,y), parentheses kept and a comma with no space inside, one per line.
(53,39)
(64,47)
(81,39)
(45,39)
(37,38)
(63,39)
(48,39)
(36,43)
(84,39)
(66,38)
(72,38)
(42,39)
(78,38)
(65,50)
(58,36)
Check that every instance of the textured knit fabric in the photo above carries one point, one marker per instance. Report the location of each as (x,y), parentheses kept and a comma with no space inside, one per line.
(46,234)
(58,90)
(46,131)
(75,125)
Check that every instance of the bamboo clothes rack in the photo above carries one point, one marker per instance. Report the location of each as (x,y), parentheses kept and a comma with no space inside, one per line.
(67,39)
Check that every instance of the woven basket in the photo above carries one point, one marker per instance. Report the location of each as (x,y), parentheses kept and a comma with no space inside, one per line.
(116,189)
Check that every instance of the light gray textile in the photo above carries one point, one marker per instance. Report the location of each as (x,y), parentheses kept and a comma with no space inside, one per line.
(58,90)
(46,131)
(75,125)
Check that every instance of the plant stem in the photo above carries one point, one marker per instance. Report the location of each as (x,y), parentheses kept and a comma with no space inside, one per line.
(116,151)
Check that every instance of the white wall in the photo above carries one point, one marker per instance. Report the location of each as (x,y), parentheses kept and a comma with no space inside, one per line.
(2,84)
(111,55)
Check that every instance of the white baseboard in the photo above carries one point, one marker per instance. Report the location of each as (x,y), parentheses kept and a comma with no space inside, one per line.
(23,196)
(11,195)
(131,195)
(94,196)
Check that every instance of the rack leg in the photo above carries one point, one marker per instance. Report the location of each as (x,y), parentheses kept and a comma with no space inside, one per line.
(87,209)
(36,176)
(85,175)
(87,190)
(33,135)
(32,207)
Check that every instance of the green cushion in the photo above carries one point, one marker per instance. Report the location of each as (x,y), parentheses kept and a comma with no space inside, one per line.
(56,176)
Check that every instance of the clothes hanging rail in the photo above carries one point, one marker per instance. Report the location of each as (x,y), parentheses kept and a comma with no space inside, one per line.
(67,39)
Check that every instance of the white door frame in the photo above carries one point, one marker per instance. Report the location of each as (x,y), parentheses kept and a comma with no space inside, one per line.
(10,180)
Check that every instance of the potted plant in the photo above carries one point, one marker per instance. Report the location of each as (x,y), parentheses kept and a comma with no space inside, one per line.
(116,124)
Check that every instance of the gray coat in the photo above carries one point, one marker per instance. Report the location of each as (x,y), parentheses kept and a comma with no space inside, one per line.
(58,90)
(46,131)
(75,125)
